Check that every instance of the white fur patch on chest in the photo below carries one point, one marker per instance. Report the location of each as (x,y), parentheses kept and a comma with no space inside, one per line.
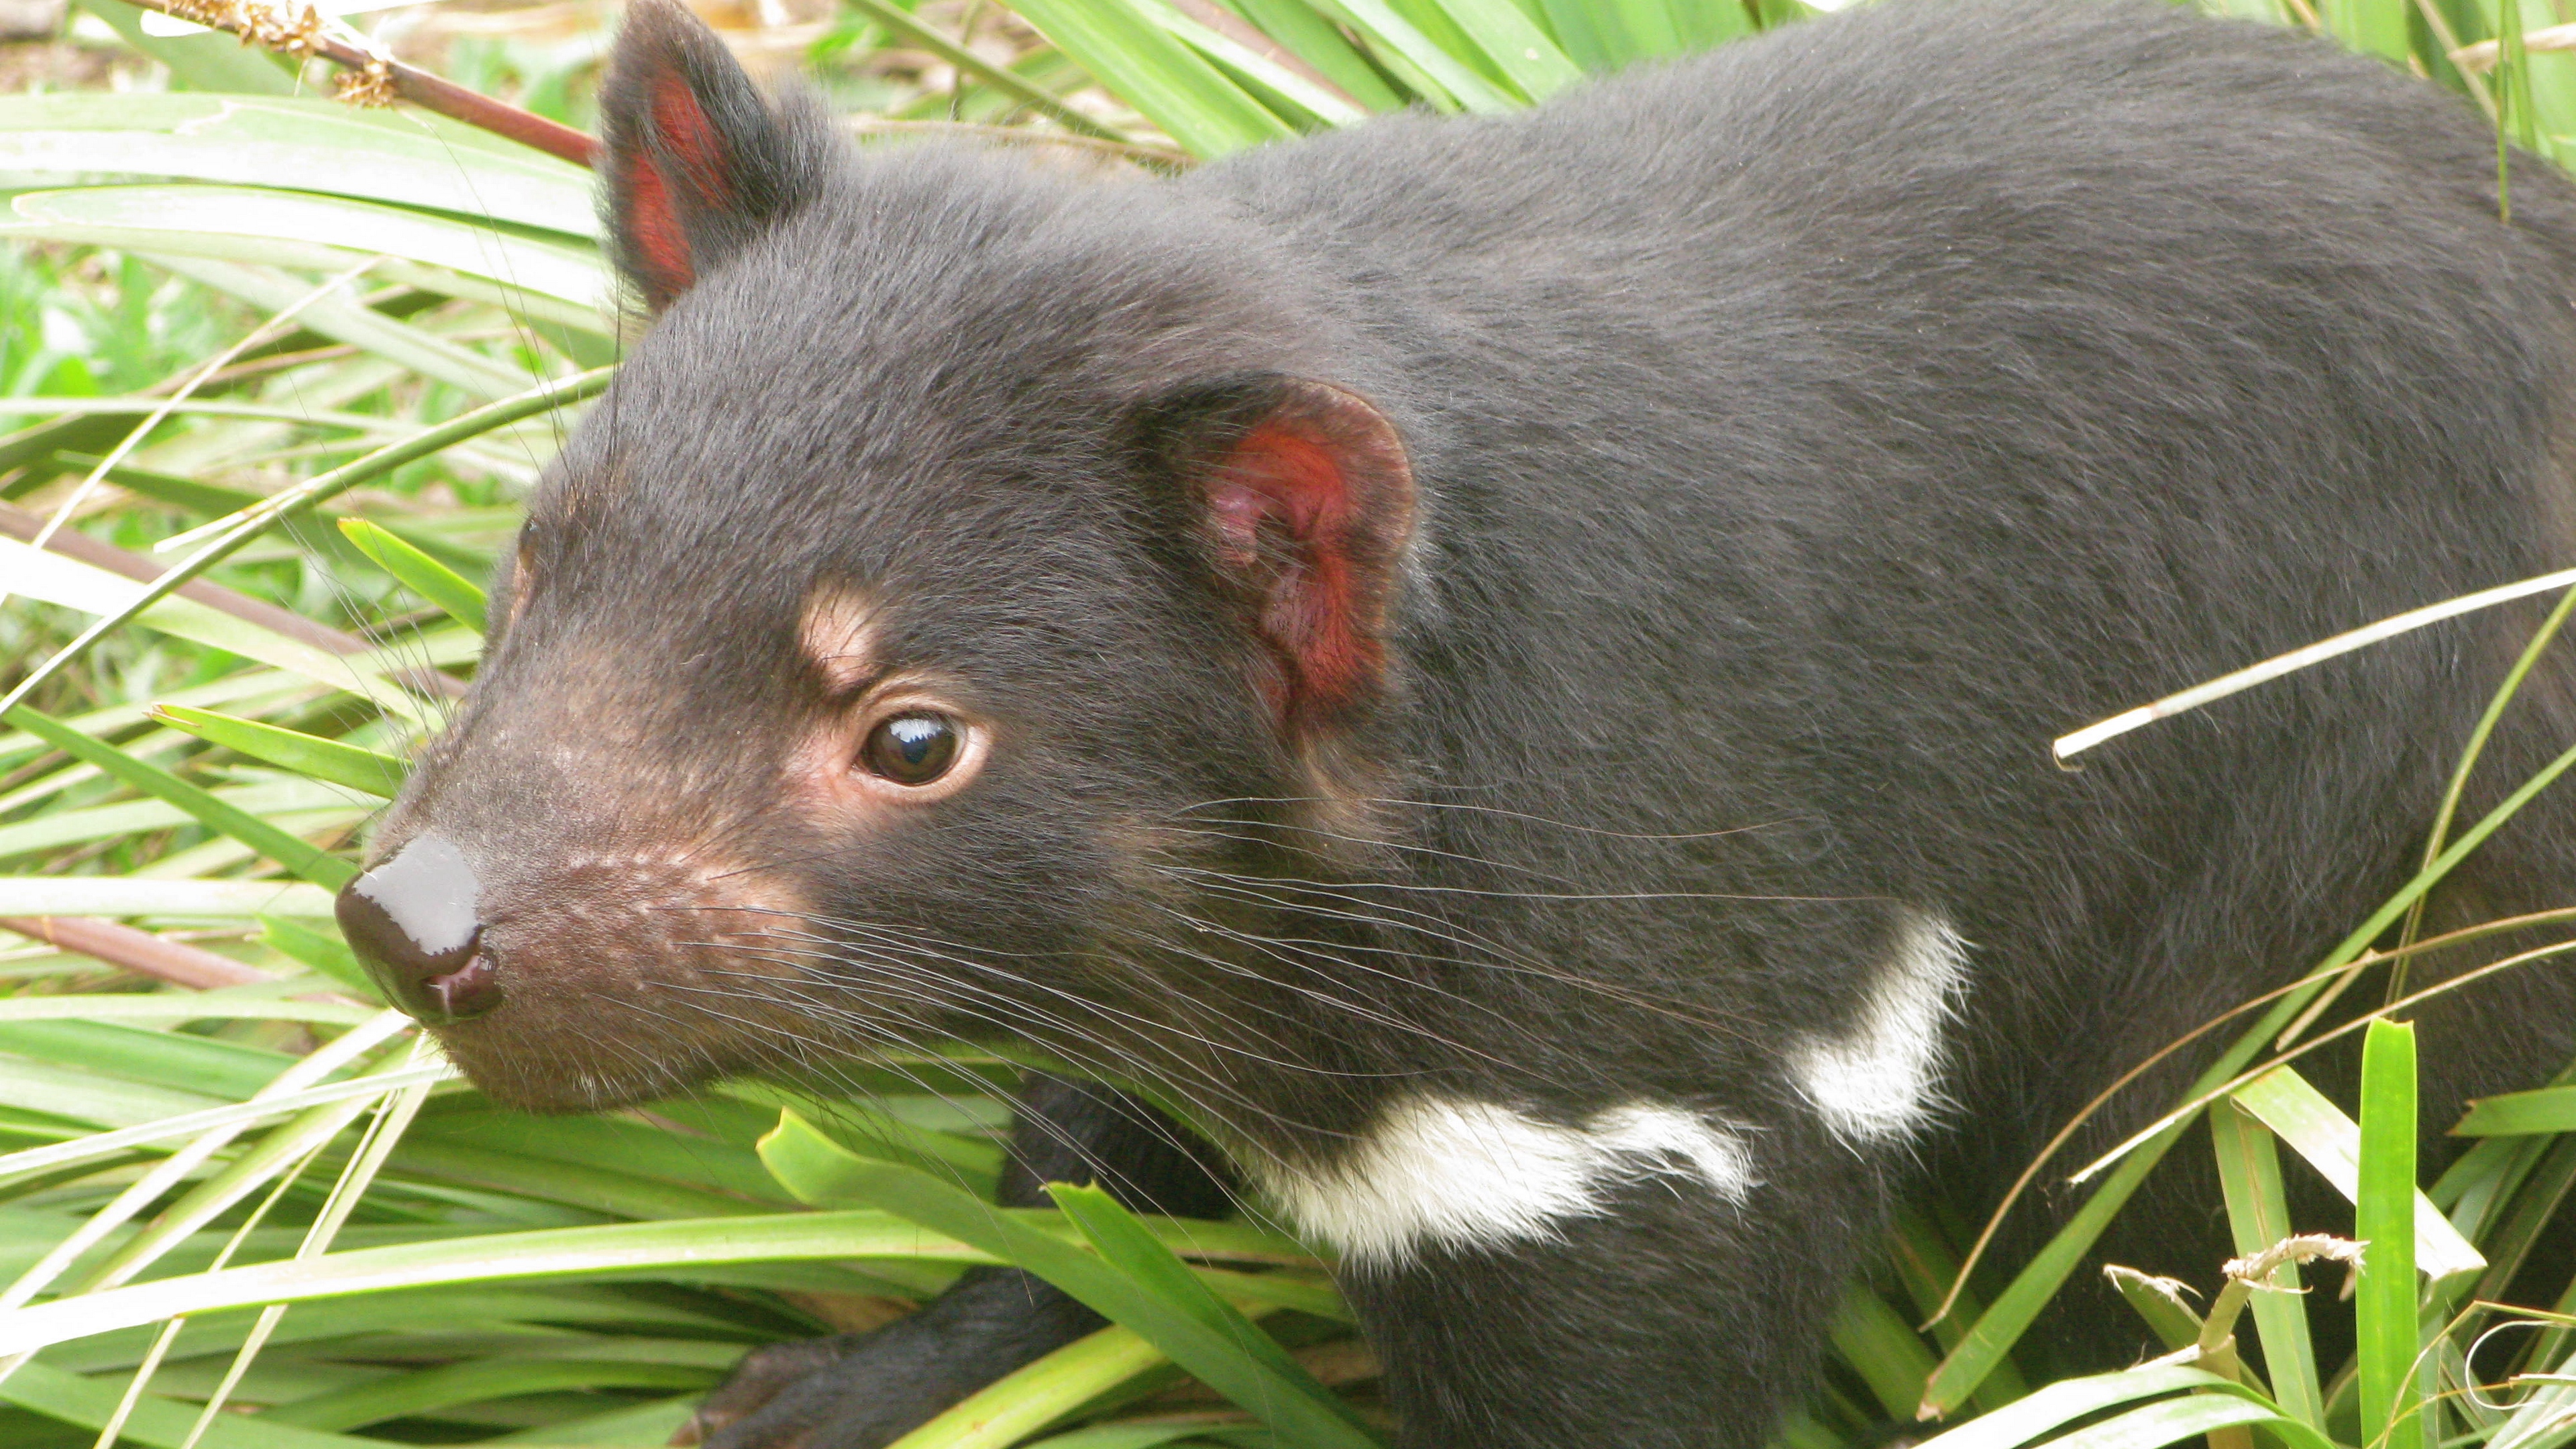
(1880,1082)
(1446,1172)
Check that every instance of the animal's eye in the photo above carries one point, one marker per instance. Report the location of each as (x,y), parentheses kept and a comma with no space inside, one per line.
(912,749)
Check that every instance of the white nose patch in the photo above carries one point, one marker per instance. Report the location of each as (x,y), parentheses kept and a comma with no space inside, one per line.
(1880,1083)
(1446,1172)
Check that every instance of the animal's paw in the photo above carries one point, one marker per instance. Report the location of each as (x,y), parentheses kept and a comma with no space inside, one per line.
(865,1390)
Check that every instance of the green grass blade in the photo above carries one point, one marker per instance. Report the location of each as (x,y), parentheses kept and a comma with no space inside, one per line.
(2258,1215)
(1008,1410)
(1925,1266)
(55,578)
(819,1170)
(310,862)
(1590,34)
(1881,1348)
(1272,84)
(170,1059)
(409,159)
(2167,1316)
(101,1146)
(2373,27)
(2384,1218)
(1215,1358)
(2027,1420)
(1153,71)
(2014,1309)
(2189,1417)
(237,224)
(849,1132)
(425,1392)
(2440,834)
(2551,1109)
(157,1422)
(1399,37)
(1126,1244)
(629,1250)
(165,1175)
(355,768)
(425,576)
(2283,1011)
(1647,29)
(609,1144)
(2527,1214)
(213,62)
(345,320)
(901,22)
(1699,25)
(637,1425)
(1318,42)
(275,1153)
(323,950)
(1516,47)
(232,1003)
(93,895)
(579,1185)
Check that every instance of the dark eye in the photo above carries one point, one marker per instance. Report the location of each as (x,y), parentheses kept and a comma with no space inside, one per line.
(912,749)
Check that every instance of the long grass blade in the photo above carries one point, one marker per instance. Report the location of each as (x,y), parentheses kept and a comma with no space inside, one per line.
(2258,1215)
(2385,1218)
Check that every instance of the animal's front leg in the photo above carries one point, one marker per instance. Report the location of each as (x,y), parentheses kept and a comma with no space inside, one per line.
(1673,1319)
(860,1391)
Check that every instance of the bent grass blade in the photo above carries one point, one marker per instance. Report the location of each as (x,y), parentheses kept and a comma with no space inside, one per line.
(2189,1417)
(2339,1150)
(425,576)
(152,1359)
(1214,1356)
(1127,1245)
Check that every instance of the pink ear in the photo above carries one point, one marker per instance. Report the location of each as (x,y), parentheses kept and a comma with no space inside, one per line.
(696,162)
(1311,510)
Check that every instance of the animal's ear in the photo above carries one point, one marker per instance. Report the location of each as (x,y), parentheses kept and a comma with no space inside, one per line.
(1304,502)
(695,163)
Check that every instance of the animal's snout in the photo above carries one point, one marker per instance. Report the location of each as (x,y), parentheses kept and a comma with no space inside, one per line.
(414,921)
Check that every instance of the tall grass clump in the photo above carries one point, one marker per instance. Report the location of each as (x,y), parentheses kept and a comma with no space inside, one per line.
(275,370)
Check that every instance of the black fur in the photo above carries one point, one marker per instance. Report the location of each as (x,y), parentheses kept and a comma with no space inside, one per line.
(1800,437)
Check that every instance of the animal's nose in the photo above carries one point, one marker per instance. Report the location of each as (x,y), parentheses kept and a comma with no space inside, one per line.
(413,921)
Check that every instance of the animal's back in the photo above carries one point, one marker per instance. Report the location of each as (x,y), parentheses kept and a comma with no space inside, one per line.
(1814,429)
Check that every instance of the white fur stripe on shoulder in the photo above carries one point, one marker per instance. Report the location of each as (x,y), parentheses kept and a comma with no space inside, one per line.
(1447,1172)
(1881,1082)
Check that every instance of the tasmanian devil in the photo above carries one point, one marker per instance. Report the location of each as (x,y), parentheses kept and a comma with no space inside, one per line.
(1508,662)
